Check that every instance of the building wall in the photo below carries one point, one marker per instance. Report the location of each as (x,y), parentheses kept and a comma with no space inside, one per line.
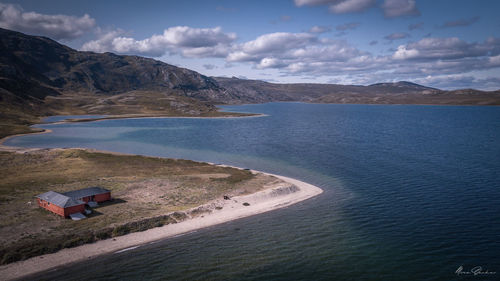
(64,212)
(74,209)
(51,207)
(103,197)
(98,197)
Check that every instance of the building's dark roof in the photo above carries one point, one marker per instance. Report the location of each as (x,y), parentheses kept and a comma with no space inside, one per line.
(89,191)
(59,199)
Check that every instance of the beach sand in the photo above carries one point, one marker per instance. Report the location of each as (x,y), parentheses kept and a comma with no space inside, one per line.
(20,149)
(266,200)
(262,201)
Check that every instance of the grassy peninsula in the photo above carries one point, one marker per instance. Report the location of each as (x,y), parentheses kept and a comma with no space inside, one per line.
(148,192)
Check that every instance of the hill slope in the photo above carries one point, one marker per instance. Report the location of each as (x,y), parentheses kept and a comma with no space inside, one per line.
(255,91)
(39,76)
(48,67)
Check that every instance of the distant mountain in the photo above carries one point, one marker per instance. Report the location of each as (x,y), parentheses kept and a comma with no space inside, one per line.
(39,76)
(255,91)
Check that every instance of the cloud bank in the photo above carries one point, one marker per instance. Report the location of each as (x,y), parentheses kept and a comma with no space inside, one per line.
(339,6)
(190,42)
(308,54)
(54,26)
(391,8)
(436,61)
(399,8)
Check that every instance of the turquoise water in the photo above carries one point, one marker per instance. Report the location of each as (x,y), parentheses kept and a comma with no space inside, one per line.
(411,193)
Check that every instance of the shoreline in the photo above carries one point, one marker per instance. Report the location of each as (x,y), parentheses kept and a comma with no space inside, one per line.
(259,202)
(112,117)
(125,116)
(9,148)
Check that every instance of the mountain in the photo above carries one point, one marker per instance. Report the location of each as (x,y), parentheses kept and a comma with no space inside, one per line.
(40,77)
(255,91)
(44,67)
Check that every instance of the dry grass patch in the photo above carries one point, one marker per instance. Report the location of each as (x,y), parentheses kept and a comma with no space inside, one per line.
(147,192)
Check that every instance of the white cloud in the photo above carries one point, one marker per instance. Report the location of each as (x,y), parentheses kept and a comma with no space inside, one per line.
(306,54)
(54,26)
(319,29)
(103,43)
(351,6)
(294,54)
(270,44)
(460,81)
(190,42)
(339,6)
(402,53)
(183,36)
(270,63)
(312,2)
(453,48)
(391,8)
(398,8)
(494,61)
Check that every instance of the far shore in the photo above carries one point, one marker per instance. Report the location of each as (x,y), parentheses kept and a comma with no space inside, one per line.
(112,117)
(259,202)
(146,116)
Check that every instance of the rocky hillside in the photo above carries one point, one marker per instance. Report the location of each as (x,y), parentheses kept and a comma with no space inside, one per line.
(42,67)
(39,76)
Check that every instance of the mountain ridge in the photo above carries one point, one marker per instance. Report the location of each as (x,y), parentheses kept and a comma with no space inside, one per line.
(40,77)
(402,92)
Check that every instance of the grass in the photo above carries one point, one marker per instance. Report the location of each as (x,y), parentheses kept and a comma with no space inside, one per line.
(16,116)
(151,191)
(148,192)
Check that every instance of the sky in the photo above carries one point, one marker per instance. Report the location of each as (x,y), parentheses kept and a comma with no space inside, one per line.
(447,44)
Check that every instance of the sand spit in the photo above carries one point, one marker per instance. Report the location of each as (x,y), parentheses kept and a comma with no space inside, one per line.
(219,211)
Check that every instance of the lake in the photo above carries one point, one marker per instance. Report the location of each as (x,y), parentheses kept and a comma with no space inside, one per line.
(411,193)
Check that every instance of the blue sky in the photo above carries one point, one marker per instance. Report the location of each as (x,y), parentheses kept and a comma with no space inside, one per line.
(441,43)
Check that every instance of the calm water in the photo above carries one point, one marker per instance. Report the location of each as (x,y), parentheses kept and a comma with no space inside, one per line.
(411,193)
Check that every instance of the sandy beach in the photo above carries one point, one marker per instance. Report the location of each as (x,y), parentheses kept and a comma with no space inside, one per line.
(262,201)
(272,198)
(19,149)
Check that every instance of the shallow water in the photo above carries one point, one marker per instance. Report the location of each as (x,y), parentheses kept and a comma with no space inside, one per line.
(411,193)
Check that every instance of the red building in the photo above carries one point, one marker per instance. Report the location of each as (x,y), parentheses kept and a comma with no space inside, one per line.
(90,194)
(65,204)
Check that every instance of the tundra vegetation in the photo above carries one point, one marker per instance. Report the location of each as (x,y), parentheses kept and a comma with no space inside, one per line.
(148,192)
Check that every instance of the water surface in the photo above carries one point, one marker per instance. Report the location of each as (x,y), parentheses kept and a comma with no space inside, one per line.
(411,193)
